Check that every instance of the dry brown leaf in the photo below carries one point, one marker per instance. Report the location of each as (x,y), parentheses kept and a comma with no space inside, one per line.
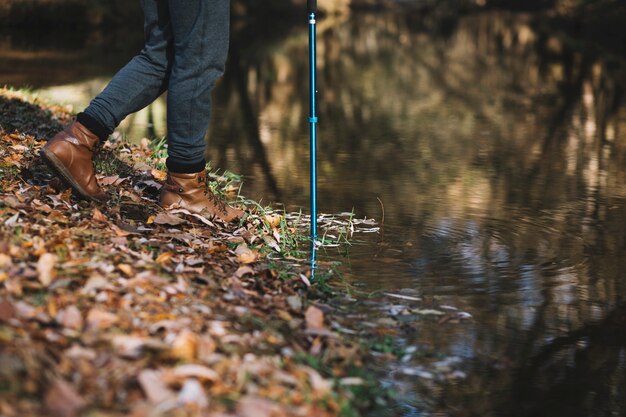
(5,261)
(246,255)
(169,219)
(109,180)
(133,347)
(158,174)
(316,347)
(250,406)
(70,318)
(45,268)
(185,346)
(119,231)
(206,348)
(98,216)
(164,258)
(243,270)
(314,318)
(62,400)
(79,352)
(126,269)
(99,319)
(195,371)
(318,383)
(154,387)
(7,311)
(94,283)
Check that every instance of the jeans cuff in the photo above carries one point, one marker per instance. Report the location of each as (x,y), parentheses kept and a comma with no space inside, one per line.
(184,167)
(93,125)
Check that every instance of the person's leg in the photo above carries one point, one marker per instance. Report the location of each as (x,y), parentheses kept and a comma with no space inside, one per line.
(70,152)
(141,81)
(200,30)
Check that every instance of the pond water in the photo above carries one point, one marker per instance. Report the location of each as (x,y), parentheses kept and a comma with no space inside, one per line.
(490,148)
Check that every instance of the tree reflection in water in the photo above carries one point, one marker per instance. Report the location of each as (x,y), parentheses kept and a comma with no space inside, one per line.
(494,143)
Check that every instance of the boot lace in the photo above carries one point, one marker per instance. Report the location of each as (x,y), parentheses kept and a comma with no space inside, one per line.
(214,198)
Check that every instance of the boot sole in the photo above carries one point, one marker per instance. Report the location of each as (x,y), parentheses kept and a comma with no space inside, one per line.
(58,168)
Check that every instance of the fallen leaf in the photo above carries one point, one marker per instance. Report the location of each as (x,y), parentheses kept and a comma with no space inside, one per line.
(12,221)
(99,319)
(295,303)
(318,383)
(185,346)
(196,215)
(133,347)
(158,174)
(246,255)
(94,283)
(126,269)
(7,311)
(79,352)
(45,268)
(62,400)
(273,220)
(192,395)
(25,310)
(195,371)
(164,258)
(70,318)
(108,180)
(169,219)
(5,260)
(243,270)
(314,318)
(97,216)
(250,406)
(153,386)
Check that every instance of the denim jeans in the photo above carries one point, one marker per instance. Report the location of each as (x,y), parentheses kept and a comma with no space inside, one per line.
(184,54)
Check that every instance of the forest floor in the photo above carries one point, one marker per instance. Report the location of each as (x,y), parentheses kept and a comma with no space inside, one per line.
(124,309)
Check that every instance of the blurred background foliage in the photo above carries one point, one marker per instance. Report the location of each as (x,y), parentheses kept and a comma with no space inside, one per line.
(600,19)
(90,13)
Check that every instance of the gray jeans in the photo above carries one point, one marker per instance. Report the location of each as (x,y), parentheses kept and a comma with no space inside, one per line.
(184,54)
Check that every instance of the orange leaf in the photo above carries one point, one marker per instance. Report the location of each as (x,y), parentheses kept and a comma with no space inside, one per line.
(126,269)
(163,258)
(159,175)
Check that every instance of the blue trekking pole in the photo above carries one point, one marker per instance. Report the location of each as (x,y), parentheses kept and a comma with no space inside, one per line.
(312,10)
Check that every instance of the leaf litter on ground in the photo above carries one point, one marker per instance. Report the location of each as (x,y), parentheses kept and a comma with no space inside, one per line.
(125,309)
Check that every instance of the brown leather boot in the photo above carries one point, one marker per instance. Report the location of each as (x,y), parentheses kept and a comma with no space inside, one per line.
(191,192)
(69,154)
